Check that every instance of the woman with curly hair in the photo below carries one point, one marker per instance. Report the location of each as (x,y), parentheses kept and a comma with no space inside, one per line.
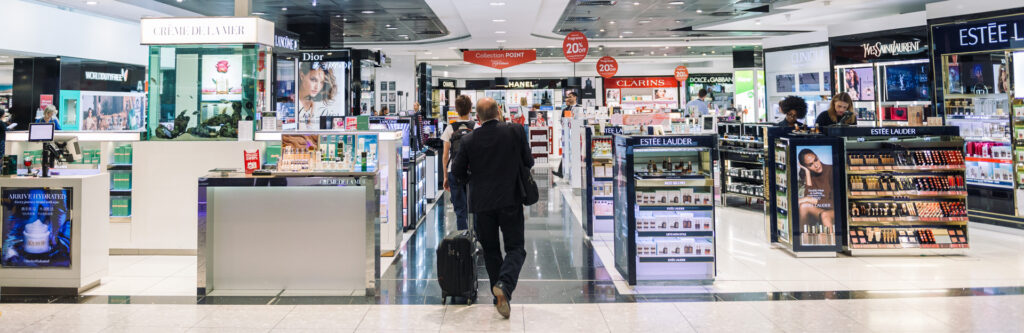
(795,108)
(317,88)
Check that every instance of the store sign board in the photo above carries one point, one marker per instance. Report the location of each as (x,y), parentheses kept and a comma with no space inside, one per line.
(979,35)
(206,30)
(607,67)
(676,141)
(891,45)
(499,59)
(311,56)
(893,131)
(575,46)
(522,84)
(446,83)
(286,42)
(640,82)
(682,73)
(725,78)
(121,76)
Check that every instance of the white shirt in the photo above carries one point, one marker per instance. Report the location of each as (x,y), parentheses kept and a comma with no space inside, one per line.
(447,134)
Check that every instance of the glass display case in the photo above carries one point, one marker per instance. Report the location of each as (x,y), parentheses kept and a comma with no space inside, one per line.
(597,197)
(310,152)
(664,226)
(741,150)
(201,92)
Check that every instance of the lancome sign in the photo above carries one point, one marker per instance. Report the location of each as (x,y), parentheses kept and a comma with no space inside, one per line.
(207,30)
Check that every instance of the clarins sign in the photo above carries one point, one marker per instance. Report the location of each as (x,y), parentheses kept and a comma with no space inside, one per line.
(207,30)
(641,82)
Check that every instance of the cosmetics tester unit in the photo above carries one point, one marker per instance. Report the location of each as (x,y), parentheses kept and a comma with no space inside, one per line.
(664,208)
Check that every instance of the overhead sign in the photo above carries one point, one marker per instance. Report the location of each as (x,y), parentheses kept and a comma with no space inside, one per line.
(682,73)
(446,83)
(575,46)
(978,35)
(640,82)
(725,78)
(607,67)
(116,77)
(286,42)
(499,59)
(207,30)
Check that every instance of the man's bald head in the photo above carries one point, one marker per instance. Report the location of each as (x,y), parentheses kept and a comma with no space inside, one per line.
(486,109)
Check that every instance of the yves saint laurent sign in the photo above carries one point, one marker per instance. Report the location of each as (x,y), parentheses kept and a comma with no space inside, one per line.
(207,30)
(879,49)
(979,35)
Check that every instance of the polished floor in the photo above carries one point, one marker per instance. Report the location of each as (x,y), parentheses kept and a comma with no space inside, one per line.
(565,286)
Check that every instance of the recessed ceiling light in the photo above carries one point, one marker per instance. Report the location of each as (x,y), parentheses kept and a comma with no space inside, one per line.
(758,22)
(703,54)
(259,13)
(403,35)
(437,58)
(611,22)
(602,30)
(452,47)
(677,3)
(497,4)
(712,51)
(699,11)
(498,20)
(367,12)
(392,28)
(652,52)
(636,3)
(627,32)
(387,25)
(620,36)
(180,0)
(499,32)
(314,2)
(91,3)
(428,53)
(666,54)
(501,41)
(644,21)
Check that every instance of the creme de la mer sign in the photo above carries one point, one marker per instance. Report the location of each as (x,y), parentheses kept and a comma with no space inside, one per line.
(206,30)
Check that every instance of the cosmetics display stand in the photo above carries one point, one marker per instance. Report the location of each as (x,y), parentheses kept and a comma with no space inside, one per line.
(741,151)
(905,192)
(664,208)
(289,233)
(540,145)
(56,265)
(597,196)
(420,197)
(808,170)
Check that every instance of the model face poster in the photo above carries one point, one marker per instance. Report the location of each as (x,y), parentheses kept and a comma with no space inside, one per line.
(859,83)
(815,195)
(222,77)
(36,227)
(538,119)
(321,92)
(107,111)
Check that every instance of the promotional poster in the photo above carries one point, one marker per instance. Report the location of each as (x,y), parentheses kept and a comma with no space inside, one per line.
(907,82)
(815,195)
(36,227)
(809,82)
(859,83)
(538,119)
(321,87)
(222,77)
(785,83)
(109,111)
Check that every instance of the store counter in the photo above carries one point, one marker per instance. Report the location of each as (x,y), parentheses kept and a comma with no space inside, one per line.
(54,233)
(300,233)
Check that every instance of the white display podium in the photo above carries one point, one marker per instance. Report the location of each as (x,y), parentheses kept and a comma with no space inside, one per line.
(89,210)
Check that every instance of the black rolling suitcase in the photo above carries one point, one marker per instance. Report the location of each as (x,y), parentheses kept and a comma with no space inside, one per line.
(456,266)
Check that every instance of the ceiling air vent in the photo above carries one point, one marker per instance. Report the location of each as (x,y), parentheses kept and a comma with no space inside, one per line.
(721,14)
(430,32)
(568,30)
(582,18)
(415,18)
(595,3)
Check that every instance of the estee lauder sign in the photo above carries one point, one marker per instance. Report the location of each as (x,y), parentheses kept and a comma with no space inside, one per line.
(207,30)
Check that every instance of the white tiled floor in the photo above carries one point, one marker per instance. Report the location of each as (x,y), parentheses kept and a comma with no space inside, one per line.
(940,314)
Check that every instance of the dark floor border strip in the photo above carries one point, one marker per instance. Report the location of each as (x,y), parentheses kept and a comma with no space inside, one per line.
(483,299)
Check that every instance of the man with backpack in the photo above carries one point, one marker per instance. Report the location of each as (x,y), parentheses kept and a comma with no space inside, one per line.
(452,136)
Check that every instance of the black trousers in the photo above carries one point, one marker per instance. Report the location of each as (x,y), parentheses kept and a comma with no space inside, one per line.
(508,220)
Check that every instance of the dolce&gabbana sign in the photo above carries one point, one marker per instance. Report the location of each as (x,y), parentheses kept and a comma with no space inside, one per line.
(710,78)
(207,30)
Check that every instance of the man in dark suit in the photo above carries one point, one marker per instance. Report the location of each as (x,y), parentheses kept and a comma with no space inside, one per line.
(489,161)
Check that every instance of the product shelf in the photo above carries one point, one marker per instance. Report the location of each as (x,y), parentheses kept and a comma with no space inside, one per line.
(936,194)
(989,160)
(904,168)
(677,259)
(679,233)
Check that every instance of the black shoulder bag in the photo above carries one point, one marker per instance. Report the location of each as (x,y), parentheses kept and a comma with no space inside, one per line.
(527,186)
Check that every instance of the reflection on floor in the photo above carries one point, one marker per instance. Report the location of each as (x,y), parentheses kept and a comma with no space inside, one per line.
(950,314)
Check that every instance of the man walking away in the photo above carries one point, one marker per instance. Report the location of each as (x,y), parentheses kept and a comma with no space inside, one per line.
(490,160)
(452,138)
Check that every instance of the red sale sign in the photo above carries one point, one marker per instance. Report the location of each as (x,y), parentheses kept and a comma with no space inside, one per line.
(607,66)
(252,161)
(499,59)
(682,74)
(575,46)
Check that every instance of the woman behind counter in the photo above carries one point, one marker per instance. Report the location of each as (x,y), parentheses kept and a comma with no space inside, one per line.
(795,108)
(50,116)
(840,105)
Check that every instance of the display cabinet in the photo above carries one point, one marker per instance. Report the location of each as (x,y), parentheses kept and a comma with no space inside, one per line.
(664,208)
(905,190)
(807,189)
(597,196)
(741,157)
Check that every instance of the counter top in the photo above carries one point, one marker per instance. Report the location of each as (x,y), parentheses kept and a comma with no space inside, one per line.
(53,177)
(236,178)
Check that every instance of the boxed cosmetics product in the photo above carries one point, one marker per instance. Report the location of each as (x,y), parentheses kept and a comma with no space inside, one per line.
(686,196)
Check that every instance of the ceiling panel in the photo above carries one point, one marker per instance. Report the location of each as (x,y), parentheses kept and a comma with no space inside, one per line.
(363,20)
(597,51)
(663,18)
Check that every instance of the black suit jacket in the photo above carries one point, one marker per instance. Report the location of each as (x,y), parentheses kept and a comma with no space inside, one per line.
(489,160)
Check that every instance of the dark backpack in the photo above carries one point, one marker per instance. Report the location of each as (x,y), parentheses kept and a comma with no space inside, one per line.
(459,129)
